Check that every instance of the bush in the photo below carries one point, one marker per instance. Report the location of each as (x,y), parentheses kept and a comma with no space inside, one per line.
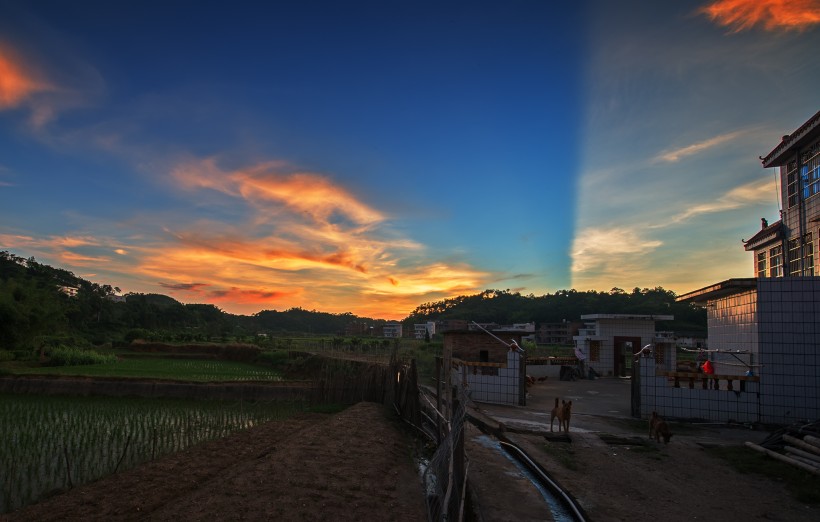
(274,358)
(63,356)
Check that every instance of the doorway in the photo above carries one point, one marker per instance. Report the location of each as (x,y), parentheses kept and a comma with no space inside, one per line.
(625,350)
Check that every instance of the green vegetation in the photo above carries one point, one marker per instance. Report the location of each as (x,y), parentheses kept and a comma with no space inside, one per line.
(803,485)
(51,443)
(63,356)
(193,370)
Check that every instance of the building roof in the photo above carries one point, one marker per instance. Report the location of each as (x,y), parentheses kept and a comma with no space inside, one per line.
(628,317)
(722,289)
(767,235)
(792,142)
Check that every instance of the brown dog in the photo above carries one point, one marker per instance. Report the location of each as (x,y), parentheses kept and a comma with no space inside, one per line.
(659,428)
(562,412)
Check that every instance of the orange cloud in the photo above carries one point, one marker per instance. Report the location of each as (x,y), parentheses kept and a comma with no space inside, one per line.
(773,15)
(308,194)
(251,296)
(16,83)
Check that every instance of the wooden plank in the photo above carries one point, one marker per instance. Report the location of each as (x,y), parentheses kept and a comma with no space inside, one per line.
(805,454)
(802,444)
(814,441)
(802,465)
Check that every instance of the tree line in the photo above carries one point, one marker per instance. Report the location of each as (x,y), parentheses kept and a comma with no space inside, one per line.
(34,312)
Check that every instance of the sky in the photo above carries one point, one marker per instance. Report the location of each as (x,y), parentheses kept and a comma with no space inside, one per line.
(368,157)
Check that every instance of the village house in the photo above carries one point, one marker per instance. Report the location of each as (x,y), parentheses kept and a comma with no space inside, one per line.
(608,342)
(764,331)
(489,363)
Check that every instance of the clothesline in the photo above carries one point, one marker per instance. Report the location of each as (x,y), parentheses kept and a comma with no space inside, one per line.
(698,350)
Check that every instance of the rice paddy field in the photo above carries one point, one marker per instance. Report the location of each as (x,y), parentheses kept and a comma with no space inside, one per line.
(50,443)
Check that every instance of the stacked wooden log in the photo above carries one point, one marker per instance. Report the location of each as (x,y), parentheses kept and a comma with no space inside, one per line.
(800,447)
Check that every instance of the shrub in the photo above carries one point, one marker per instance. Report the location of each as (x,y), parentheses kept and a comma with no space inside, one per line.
(274,358)
(63,356)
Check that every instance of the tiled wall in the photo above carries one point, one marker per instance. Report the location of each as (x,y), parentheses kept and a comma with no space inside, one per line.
(789,315)
(659,394)
(733,326)
(500,389)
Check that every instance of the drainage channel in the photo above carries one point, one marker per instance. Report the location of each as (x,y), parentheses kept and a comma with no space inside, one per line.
(564,508)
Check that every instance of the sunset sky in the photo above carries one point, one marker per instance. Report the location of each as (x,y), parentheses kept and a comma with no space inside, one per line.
(368,157)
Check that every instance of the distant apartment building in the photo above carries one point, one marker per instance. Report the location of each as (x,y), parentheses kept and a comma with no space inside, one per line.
(424,330)
(557,333)
(392,330)
(70,291)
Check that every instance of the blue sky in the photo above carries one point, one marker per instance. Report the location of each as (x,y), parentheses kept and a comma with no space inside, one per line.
(372,156)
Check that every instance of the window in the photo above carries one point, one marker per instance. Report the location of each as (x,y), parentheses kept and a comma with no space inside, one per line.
(808,253)
(810,171)
(594,351)
(761,263)
(794,257)
(791,183)
(801,260)
(776,262)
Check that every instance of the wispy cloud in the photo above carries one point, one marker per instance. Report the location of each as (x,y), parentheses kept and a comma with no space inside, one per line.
(605,249)
(740,15)
(758,191)
(676,155)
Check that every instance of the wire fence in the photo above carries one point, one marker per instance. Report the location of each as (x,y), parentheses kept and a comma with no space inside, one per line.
(446,473)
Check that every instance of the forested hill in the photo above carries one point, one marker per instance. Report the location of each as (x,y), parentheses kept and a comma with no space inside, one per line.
(505,307)
(33,311)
